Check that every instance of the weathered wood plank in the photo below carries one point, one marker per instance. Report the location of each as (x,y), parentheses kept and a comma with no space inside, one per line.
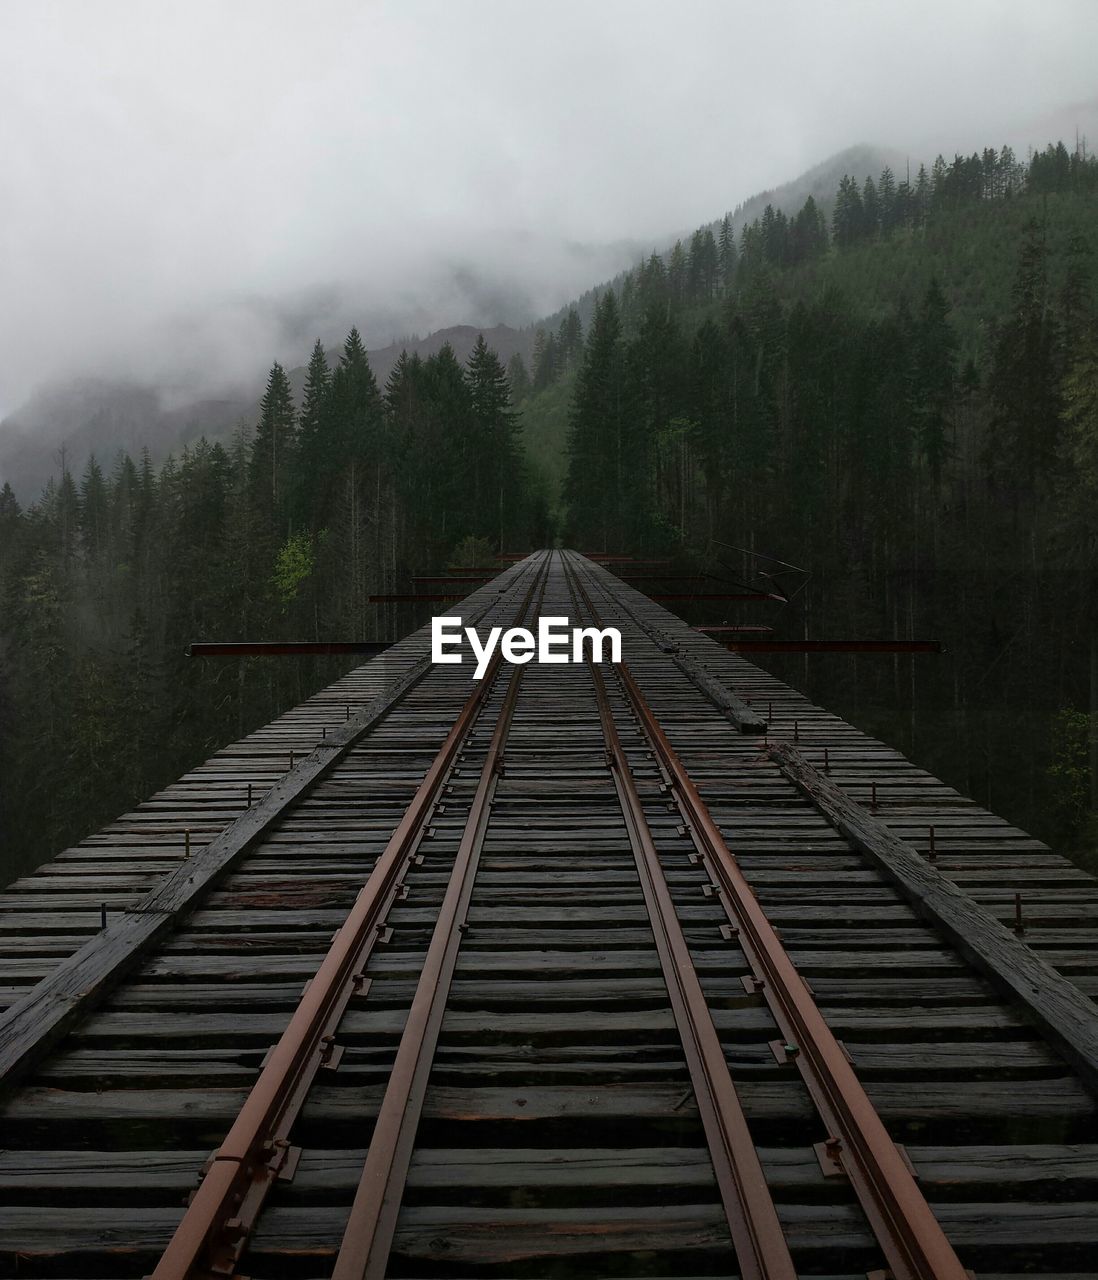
(38,1020)
(1053,1003)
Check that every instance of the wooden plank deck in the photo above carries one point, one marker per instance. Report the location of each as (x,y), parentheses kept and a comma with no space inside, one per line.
(559,1134)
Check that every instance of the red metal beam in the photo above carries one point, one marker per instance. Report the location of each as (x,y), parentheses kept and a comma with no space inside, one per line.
(454,578)
(281,648)
(663,597)
(412,597)
(732,629)
(834,646)
(605,558)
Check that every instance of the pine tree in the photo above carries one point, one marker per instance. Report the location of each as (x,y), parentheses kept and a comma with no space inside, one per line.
(497,436)
(847,219)
(311,444)
(1024,385)
(93,509)
(886,197)
(726,253)
(547,359)
(871,210)
(10,521)
(595,440)
(518,378)
(272,450)
(935,355)
(676,276)
(570,339)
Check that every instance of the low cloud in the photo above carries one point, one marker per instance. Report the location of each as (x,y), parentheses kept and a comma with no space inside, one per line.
(188,190)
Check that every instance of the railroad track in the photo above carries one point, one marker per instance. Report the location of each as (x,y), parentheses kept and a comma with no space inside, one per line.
(595,983)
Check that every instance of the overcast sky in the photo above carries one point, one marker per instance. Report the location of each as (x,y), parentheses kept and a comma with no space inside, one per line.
(177,177)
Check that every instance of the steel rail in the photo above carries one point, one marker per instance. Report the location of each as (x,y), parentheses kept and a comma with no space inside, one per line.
(757,1236)
(216,1226)
(912,1240)
(371,1226)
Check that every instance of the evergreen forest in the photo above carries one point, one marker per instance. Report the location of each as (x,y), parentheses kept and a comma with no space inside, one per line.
(897,393)
(281,534)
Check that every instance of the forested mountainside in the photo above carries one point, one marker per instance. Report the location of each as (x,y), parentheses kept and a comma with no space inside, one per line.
(88,416)
(902,398)
(283,534)
(904,401)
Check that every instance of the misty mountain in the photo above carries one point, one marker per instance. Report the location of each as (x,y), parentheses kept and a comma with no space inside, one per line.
(100,416)
(89,416)
(820,182)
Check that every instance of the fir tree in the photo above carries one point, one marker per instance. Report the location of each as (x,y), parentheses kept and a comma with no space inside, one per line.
(273,448)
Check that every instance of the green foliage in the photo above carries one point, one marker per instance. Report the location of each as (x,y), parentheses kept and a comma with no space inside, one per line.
(294,564)
(472,552)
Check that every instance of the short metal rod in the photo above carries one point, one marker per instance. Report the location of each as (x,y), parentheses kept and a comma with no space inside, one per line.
(1019,923)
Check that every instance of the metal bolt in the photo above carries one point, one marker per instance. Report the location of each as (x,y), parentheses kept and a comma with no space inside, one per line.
(791,1050)
(103,915)
(324,731)
(1019,923)
(932,852)
(827,762)
(873,798)
(187,843)
(348,711)
(770,711)
(291,757)
(249,795)
(796,732)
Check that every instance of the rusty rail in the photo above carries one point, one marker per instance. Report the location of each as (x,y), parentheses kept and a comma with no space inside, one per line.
(221,1216)
(368,1236)
(757,1235)
(912,1240)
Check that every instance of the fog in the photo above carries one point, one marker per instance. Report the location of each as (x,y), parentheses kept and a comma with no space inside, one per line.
(188,190)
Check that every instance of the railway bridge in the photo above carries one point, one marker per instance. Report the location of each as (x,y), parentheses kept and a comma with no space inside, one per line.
(651,969)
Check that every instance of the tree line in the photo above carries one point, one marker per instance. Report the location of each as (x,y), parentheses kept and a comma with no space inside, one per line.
(282,532)
(928,492)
